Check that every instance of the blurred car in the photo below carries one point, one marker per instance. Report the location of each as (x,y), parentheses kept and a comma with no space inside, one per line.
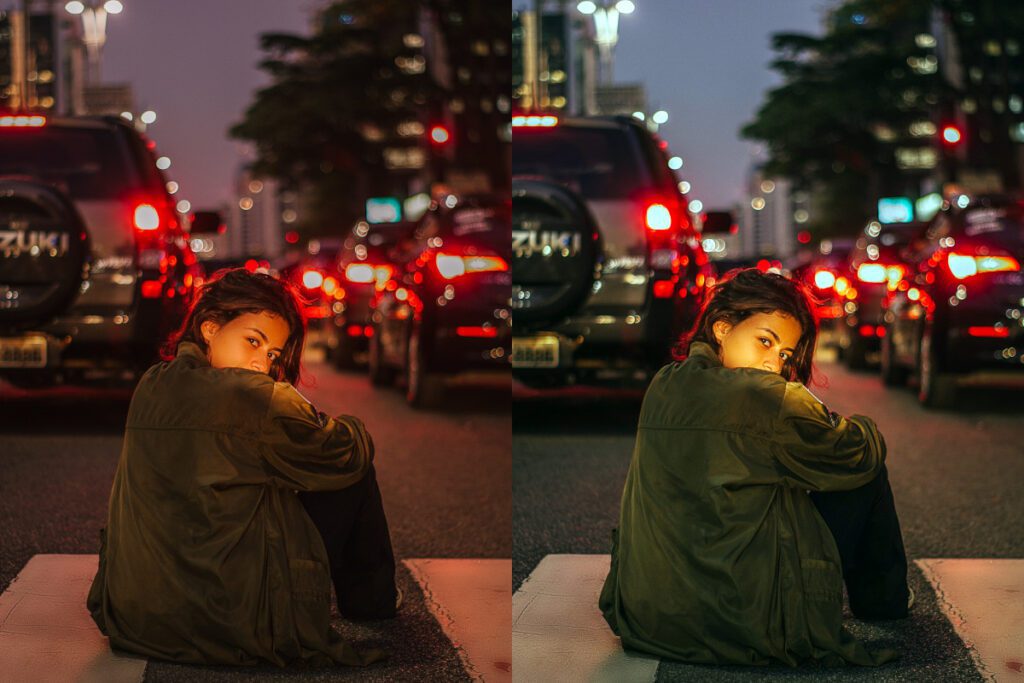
(446,309)
(828,276)
(959,313)
(363,266)
(877,267)
(96,269)
(313,274)
(608,270)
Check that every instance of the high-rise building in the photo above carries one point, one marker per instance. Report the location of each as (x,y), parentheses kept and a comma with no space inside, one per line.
(29,62)
(767,219)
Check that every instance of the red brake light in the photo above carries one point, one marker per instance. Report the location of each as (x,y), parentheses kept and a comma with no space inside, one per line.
(546,121)
(965,265)
(147,217)
(482,331)
(663,289)
(22,121)
(359,272)
(871,272)
(824,279)
(451,266)
(995,332)
(152,289)
(658,217)
(312,279)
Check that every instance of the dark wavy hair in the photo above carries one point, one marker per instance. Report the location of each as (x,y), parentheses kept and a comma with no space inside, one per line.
(744,292)
(231,292)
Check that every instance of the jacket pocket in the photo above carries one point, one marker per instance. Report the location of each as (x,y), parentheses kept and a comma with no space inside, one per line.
(310,580)
(822,580)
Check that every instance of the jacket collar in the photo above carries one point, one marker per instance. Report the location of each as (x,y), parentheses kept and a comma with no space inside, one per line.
(190,350)
(704,352)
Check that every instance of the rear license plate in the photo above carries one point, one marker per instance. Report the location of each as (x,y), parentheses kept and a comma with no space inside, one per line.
(535,352)
(24,352)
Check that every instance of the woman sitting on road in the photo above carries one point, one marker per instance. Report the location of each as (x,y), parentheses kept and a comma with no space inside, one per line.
(748,502)
(236,503)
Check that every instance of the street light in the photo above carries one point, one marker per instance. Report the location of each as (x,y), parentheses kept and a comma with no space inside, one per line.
(94,29)
(606,26)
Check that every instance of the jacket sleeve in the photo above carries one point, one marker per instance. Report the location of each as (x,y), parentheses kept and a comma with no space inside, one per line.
(819,450)
(306,450)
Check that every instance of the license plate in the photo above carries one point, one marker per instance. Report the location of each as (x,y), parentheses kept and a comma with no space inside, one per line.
(25,352)
(536,352)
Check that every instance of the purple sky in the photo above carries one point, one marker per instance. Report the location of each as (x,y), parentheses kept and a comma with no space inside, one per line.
(706,63)
(193,62)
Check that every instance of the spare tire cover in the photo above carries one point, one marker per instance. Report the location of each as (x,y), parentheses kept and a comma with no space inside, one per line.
(43,247)
(555,246)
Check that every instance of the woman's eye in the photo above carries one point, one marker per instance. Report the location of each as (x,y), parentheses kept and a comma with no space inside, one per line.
(252,340)
(764,340)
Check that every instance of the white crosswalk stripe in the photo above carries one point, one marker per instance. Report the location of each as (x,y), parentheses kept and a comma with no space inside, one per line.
(558,632)
(46,633)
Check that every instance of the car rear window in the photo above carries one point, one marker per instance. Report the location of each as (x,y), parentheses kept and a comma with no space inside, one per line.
(598,163)
(87,163)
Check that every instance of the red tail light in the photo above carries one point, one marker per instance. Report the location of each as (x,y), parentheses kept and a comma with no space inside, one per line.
(312,279)
(22,121)
(451,266)
(546,121)
(879,272)
(359,272)
(152,289)
(663,289)
(364,273)
(996,332)
(484,332)
(146,217)
(824,279)
(658,217)
(965,265)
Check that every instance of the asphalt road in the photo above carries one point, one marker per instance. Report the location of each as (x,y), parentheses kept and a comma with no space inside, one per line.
(444,477)
(955,475)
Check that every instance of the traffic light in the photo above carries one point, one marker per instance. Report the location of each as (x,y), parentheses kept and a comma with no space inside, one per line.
(951,135)
(439,135)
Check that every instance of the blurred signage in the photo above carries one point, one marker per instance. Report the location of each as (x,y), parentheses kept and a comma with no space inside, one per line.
(108,99)
(383,210)
(895,210)
(621,98)
(404,157)
(927,206)
(416,205)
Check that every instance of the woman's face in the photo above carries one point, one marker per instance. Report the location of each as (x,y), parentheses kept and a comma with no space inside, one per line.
(764,341)
(252,341)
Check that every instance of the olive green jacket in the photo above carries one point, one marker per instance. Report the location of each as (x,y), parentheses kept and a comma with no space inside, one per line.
(720,556)
(208,556)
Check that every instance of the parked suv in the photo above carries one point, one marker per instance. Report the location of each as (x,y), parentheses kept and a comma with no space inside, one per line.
(608,269)
(95,267)
(960,313)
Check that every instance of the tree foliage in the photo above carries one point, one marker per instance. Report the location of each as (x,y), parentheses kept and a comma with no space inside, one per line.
(333,104)
(847,98)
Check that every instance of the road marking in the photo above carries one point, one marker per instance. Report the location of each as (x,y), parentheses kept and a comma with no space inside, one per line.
(559,634)
(46,633)
(984,600)
(470,599)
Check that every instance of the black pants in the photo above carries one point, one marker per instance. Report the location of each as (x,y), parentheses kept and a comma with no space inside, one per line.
(355,532)
(864,524)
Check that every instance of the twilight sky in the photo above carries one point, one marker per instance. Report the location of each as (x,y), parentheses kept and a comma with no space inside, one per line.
(193,62)
(706,63)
